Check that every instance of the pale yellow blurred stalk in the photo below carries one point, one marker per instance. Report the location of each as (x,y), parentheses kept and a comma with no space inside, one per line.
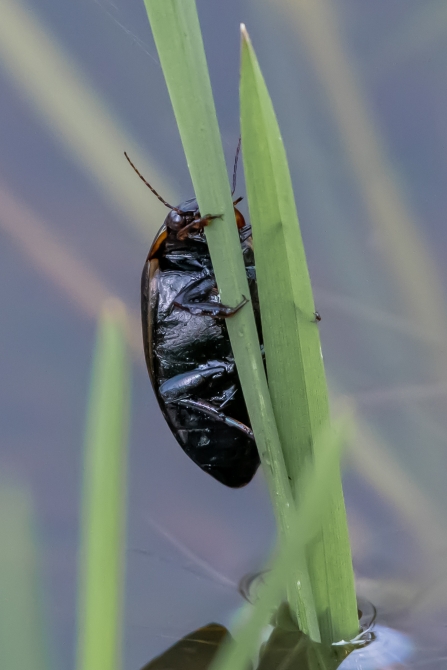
(66,102)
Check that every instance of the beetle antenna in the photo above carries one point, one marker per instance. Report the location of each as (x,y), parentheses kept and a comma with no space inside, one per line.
(149,186)
(236,158)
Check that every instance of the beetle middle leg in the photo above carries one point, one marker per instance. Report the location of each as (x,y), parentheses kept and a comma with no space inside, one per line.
(202,379)
(189,297)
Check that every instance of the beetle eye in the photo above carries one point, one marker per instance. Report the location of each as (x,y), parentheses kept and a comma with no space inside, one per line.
(175,221)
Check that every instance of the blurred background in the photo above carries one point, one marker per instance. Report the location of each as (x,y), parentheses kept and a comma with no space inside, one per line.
(359,90)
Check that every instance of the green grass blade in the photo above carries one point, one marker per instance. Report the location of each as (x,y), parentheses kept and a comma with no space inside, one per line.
(104,498)
(317,493)
(177,35)
(293,354)
(23,634)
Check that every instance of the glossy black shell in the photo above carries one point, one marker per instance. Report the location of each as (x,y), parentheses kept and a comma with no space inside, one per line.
(180,345)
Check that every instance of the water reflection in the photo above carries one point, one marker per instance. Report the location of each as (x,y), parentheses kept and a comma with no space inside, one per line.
(387,649)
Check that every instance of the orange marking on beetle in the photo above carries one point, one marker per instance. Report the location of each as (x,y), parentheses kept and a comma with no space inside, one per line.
(239,218)
(157,243)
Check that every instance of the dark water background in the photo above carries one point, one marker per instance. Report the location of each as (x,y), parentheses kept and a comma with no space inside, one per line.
(359,89)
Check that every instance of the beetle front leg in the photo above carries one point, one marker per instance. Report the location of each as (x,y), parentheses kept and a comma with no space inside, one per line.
(197,224)
(189,296)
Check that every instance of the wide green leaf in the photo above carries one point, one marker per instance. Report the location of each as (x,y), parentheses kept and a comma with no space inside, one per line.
(295,368)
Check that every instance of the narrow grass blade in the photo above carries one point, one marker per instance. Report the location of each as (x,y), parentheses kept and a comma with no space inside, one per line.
(23,634)
(317,494)
(177,35)
(295,368)
(104,499)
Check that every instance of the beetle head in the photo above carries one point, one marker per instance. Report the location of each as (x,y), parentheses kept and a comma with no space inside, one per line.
(186,218)
(182,216)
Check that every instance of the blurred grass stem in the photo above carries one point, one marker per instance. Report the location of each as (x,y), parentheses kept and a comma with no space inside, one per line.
(23,634)
(104,498)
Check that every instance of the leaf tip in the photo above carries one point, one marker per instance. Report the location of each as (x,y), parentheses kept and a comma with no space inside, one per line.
(244,33)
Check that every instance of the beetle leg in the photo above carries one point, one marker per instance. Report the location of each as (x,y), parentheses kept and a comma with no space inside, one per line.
(245,233)
(197,289)
(214,309)
(197,224)
(194,381)
(210,410)
(201,288)
(175,391)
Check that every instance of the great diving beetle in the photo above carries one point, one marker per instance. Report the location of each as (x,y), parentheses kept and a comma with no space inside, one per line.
(187,347)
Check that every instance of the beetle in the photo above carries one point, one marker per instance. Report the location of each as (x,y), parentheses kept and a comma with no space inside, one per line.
(186,344)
